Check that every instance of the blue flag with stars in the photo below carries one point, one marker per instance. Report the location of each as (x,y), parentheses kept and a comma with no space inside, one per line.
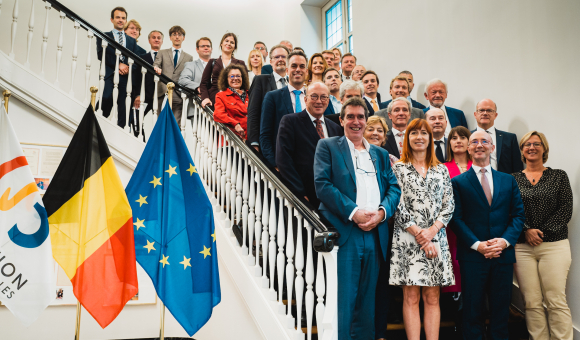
(174,226)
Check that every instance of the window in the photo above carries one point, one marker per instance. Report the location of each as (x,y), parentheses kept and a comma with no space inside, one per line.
(339,29)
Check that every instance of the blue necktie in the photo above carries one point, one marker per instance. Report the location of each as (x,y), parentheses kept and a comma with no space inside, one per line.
(175,58)
(298,105)
(154,57)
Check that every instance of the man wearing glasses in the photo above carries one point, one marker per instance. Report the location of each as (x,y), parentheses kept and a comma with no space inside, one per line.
(171,62)
(297,138)
(506,156)
(358,193)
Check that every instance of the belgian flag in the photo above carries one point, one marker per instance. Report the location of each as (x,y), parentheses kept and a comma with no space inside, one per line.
(91,224)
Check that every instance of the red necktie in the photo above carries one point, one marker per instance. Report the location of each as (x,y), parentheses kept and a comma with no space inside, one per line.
(319,128)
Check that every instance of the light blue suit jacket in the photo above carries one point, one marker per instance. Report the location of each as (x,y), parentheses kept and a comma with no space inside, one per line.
(335,182)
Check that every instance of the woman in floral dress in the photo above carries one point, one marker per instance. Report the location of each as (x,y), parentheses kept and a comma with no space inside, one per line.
(420,254)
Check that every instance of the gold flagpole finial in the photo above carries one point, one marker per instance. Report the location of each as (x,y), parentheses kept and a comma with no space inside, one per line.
(94,91)
(6,94)
(170,87)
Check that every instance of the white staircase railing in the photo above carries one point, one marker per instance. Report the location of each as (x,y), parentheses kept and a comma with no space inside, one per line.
(281,238)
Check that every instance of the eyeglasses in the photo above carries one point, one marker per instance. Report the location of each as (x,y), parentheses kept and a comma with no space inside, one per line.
(235,76)
(488,111)
(315,97)
(278,57)
(482,142)
(536,145)
(363,171)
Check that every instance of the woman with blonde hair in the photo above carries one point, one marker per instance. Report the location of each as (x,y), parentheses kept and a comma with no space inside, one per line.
(255,61)
(376,133)
(420,257)
(133,29)
(316,67)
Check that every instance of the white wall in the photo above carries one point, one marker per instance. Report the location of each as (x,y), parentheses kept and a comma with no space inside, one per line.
(522,54)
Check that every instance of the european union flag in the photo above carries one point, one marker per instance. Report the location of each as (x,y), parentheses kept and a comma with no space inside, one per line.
(174,226)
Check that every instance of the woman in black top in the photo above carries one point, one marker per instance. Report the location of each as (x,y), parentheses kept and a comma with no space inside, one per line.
(543,251)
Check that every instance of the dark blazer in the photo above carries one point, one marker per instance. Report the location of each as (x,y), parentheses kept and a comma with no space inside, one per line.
(456,117)
(267,69)
(509,158)
(414,103)
(110,59)
(213,74)
(276,105)
(140,50)
(334,117)
(295,148)
(261,85)
(329,109)
(335,183)
(391,145)
(475,220)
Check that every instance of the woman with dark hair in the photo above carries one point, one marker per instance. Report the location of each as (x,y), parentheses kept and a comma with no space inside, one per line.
(316,67)
(209,79)
(420,257)
(231,103)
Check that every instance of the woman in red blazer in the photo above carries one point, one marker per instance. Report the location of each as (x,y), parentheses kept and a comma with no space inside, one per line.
(231,103)
(209,79)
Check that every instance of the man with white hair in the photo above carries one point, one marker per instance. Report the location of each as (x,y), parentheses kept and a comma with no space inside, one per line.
(399,111)
(348,89)
(436,94)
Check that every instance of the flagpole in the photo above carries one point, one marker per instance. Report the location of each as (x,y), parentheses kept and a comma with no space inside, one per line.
(94,91)
(6,94)
(78,326)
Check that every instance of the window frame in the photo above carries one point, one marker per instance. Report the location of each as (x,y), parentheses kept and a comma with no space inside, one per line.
(346,35)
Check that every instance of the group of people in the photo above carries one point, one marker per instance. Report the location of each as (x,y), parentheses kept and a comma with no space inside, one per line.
(419,200)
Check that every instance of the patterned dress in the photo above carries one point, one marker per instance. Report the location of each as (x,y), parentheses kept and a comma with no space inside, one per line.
(423,201)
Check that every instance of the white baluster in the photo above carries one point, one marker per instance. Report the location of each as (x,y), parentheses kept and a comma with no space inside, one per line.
(239,187)
(194,131)
(281,259)
(114,116)
(290,264)
(272,229)
(251,215)
(320,290)
(222,163)
(218,176)
(185,102)
(30,31)
(214,149)
(258,225)
(102,73)
(234,177)
(14,26)
(88,67)
(299,277)
(228,186)
(309,298)
(245,207)
(75,55)
(48,6)
(128,101)
(142,104)
(59,44)
(330,321)
(265,236)
(155,102)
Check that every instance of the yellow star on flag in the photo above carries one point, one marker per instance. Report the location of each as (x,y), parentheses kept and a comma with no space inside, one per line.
(156,181)
(185,262)
(212,235)
(142,200)
(139,223)
(205,252)
(149,246)
(171,171)
(191,169)
(164,260)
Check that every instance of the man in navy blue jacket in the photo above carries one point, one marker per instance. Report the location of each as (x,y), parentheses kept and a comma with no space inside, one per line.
(488,219)
(119,19)
(279,103)
(436,94)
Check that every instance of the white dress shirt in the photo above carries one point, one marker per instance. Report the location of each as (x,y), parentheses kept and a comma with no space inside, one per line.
(279,83)
(448,128)
(489,177)
(443,146)
(153,56)
(491,131)
(173,49)
(368,195)
(293,97)
(398,139)
(323,123)
(336,104)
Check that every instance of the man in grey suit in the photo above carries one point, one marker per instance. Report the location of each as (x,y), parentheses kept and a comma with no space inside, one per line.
(400,89)
(191,75)
(171,62)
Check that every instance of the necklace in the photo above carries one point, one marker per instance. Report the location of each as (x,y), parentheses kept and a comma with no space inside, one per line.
(422,169)
(529,174)
(462,169)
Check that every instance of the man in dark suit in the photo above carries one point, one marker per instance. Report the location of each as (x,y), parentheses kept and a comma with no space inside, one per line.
(358,193)
(399,112)
(370,81)
(436,94)
(268,69)
(488,219)
(279,103)
(436,119)
(409,77)
(119,19)
(506,156)
(155,41)
(297,138)
(399,88)
(261,85)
